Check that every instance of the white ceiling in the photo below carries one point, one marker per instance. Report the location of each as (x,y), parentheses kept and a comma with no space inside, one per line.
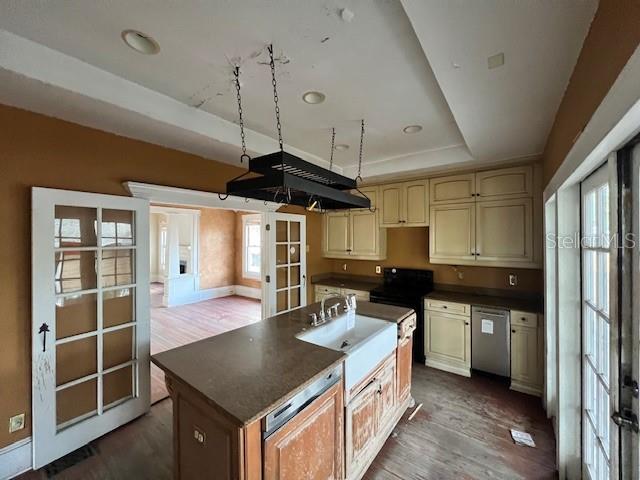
(66,59)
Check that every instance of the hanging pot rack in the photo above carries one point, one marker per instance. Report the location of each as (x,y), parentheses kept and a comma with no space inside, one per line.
(286,178)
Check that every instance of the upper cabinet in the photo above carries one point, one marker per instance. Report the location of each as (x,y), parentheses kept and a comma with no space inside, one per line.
(405,204)
(486,218)
(453,189)
(503,184)
(355,233)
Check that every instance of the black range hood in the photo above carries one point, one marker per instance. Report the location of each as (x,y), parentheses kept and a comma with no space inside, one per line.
(285,178)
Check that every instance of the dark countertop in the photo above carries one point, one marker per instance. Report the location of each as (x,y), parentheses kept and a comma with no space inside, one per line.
(247,372)
(354,282)
(533,305)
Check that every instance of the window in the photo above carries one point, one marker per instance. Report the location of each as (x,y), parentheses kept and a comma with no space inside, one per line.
(251,246)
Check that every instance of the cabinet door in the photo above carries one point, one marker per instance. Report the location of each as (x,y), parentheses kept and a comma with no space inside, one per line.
(416,203)
(448,340)
(504,231)
(392,205)
(361,428)
(505,183)
(371,193)
(363,231)
(336,234)
(387,397)
(452,189)
(452,233)
(524,355)
(403,366)
(311,444)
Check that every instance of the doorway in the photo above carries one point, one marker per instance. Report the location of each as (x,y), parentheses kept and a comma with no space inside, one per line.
(206,279)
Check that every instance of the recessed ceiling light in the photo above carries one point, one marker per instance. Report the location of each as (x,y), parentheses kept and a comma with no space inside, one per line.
(412,129)
(341,147)
(495,61)
(313,97)
(140,42)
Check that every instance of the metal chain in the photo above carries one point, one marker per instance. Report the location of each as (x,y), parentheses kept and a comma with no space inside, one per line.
(359,177)
(275,94)
(333,141)
(236,73)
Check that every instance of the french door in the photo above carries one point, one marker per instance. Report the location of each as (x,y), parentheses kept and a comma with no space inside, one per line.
(90,317)
(600,447)
(284,263)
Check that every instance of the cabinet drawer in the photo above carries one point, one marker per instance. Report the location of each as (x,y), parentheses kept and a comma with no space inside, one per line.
(360,294)
(325,289)
(525,319)
(449,307)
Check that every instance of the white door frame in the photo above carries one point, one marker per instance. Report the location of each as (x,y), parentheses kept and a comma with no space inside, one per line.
(48,443)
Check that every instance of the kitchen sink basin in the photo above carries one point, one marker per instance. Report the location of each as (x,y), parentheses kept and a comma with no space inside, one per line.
(366,341)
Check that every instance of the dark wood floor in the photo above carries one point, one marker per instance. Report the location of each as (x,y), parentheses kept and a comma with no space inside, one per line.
(461,432)
(176,326)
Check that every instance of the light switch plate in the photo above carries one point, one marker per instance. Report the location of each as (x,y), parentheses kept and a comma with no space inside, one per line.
(16,423)
(513,279)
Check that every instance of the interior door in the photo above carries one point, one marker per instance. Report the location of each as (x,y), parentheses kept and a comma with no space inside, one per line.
(286,262)
(90,317)
(600,434)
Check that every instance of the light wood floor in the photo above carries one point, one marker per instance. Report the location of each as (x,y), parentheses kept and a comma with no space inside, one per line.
(176,326)
(461,432)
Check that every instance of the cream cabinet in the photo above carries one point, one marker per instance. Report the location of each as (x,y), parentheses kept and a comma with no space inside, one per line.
(526,353)
(447,340)
(353,234)
(322,291)
(452,189)
(505,183)
(452,234)
(405,204)
(504,231)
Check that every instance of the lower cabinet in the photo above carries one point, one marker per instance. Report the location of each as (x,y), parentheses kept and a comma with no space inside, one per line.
(369,419)
(311,444)
(447,342)
(526,353)
(322,291)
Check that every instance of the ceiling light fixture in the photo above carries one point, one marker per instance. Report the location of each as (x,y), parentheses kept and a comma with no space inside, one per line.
(313,98)
(140,42)
(412,129)
(341,147)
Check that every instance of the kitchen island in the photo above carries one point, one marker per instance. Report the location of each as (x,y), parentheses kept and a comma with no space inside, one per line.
(223,387)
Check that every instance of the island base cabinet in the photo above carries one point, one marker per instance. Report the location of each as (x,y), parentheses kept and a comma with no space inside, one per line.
(404,361)
(310,445)
(370,417)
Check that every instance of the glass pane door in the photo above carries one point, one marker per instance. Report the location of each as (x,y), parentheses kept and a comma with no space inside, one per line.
(90,340)
(286,239)
(596,328)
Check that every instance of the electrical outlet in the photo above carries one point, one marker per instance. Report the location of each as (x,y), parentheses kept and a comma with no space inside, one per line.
(344,267)
(378,269)
(16,423)
(513,279)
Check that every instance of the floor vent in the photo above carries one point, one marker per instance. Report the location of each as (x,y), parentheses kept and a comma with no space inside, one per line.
(69,460)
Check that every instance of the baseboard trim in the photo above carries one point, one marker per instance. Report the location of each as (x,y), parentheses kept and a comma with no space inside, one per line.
(15,459)
(250,292)
(528,389)
(465,372)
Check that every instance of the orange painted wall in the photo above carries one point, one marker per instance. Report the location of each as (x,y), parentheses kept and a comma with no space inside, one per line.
(613,36)
(217,247)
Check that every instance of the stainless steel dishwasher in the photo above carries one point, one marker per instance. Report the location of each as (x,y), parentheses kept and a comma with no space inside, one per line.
(490,341)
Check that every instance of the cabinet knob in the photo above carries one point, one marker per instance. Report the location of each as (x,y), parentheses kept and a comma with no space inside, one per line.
(513,331)
(466,323)
(444,306)
(523,319)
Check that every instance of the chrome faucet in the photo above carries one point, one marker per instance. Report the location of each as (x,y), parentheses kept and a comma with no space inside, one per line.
(324,315)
